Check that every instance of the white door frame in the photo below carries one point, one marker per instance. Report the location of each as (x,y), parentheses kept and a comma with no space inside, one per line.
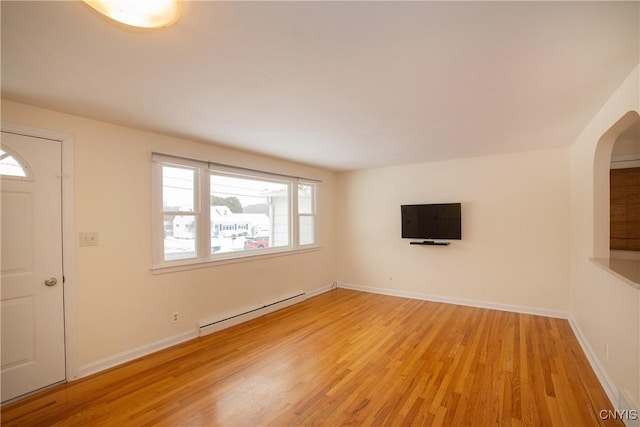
(68,239)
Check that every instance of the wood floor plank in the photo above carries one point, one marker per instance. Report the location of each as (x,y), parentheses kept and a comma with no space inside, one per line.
(345,358)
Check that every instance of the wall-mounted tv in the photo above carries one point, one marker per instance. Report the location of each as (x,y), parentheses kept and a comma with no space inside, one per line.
(442,221)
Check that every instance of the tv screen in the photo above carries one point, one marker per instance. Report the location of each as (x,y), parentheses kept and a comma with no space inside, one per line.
(433,221)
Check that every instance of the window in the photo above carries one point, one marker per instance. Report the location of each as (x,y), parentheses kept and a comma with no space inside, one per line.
(11,166)
(205,212)
(306,214)
(249,213)
(180,212)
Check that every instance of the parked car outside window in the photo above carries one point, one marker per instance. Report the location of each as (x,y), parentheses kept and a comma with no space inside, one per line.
(256,242)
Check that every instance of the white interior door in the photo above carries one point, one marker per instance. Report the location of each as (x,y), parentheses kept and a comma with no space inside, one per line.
(33,347)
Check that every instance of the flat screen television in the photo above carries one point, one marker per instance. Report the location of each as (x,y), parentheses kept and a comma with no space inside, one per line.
(441,221)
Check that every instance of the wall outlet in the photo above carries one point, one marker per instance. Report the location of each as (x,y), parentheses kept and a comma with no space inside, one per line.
(89,239)
(175,317)
(390,278)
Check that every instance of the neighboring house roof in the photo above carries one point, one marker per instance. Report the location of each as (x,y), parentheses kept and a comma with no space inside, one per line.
(222,215)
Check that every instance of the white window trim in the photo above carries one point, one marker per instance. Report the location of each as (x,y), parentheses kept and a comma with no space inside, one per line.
(313,214)
(202,211)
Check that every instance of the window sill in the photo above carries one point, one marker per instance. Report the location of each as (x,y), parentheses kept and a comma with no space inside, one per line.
(191,264)
(628,270)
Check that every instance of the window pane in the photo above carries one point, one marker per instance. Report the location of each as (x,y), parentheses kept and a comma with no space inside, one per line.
(248,214)
(307,230)
(180,233)
(178,189)
(305,199)
(9,166)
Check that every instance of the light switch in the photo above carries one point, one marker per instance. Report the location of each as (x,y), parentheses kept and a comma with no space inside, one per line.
(89,239)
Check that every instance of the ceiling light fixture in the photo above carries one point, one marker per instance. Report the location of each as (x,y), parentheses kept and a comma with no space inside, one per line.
(139,13)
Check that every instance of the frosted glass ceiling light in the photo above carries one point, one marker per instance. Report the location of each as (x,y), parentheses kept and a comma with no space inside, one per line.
(139,13)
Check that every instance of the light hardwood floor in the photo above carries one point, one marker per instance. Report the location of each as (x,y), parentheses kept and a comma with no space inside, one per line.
(345,358)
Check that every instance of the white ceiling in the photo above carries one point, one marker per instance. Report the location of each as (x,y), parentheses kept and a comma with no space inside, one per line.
(342,85)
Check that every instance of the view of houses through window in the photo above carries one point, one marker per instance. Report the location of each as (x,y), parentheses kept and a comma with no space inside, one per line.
(248,214)
(179,208)
(242,214)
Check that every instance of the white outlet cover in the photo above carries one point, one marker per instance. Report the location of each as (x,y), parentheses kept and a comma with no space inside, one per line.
(89,239)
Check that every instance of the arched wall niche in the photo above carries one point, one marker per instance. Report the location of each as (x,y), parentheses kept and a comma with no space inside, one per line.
(601,166)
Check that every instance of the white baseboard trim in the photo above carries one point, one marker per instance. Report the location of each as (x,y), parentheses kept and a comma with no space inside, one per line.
(608,385)
(321,290)
(127,356)
(624,406)
(458,301)
(628,409)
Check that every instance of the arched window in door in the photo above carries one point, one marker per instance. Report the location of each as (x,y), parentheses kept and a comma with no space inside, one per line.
(12,166)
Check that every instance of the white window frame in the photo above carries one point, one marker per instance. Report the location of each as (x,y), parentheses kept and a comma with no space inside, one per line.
(202,175)
(313,214)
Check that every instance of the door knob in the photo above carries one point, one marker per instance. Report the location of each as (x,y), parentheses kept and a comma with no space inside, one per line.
(51,281)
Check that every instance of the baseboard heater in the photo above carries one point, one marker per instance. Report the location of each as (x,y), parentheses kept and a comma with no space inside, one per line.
(207,327)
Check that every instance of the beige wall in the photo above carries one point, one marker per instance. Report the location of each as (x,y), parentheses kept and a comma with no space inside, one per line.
(121,305)
(515,229)
(604,308)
